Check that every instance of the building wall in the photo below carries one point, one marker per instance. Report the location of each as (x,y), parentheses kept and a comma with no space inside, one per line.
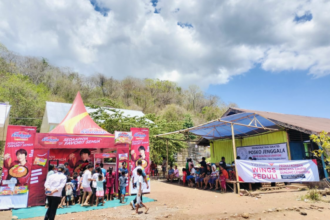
(224,148)
(193,151)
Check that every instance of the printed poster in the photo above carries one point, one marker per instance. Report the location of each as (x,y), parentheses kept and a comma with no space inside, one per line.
(140,151)
(122,137)
(18,156)
(264,152)
(277,171)
(39,172)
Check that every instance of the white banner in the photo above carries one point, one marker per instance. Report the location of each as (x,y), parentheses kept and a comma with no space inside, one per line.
(251,171)
(264,152)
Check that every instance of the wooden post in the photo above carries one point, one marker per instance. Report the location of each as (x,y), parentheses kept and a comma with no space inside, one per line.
(167,154)
(288,145)
(234,149)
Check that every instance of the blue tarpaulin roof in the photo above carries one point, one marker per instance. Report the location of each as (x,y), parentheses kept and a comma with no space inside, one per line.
(245,124)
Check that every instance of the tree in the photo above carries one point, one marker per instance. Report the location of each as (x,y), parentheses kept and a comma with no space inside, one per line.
(27,99)
(322,140)
(114,120)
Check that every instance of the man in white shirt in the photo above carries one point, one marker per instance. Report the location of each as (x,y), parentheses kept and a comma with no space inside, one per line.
(135,180)
(86,184)
(54,185)
(139,194)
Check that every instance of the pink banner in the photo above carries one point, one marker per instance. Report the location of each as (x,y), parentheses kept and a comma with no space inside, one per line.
(39,172)
(17,163)
(140,148)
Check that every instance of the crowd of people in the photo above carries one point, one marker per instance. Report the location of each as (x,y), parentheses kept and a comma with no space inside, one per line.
(91,187)
(205,176)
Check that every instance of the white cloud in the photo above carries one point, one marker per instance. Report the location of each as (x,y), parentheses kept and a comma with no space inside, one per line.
(222,39)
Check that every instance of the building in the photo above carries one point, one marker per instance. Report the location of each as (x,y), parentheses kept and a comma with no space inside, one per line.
(4,120)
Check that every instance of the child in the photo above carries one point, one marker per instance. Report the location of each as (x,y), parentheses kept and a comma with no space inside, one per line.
(68,191)
(110,178)
(122,185)
(80,189)
(75,189)
(99,190)
(139,195)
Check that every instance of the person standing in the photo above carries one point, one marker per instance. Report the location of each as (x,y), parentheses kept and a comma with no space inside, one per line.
(135,180)
(51,171)
(95,178)
(87,178)
(104,171)
(164,165)
(122,186)
(66,171)
(54,185)
(139,202)
(110,179)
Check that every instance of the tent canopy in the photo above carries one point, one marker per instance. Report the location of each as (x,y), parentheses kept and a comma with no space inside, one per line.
(78,121)
(244,124)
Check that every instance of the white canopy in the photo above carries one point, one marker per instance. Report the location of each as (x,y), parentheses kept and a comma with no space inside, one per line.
(4,120)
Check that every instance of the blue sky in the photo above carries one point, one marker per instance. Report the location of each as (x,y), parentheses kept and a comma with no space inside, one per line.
(290,92)
(263,55)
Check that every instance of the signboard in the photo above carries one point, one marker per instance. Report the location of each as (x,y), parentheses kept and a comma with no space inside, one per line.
(39,172)
(123,137)
(60,141)
(140,151)
(18,156)
(277,171)
(121,163)
(264,152)
(104,155)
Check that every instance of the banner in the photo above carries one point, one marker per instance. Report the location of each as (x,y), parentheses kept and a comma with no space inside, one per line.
(39,172)
(277,171)
(122,161)
(123,137)
(18,155)
(264,152)
(140,151)
(78,159)
(61,141)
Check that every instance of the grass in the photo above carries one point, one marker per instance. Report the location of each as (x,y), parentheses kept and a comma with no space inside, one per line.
(312,195)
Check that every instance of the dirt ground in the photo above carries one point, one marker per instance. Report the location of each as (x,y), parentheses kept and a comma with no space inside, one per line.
(178,202)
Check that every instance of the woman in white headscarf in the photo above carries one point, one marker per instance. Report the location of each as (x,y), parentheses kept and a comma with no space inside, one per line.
(214,176)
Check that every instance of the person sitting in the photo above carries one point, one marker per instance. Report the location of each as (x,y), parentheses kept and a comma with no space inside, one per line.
(176,172)
(203,162)
(207,175)
(222,179)
(170,173)
(154,170)
(214,176)
(223,163)
(191,177)
(200,177)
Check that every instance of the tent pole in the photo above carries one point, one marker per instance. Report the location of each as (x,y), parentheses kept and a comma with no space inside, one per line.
(167,153)
(288,143)
(234,149)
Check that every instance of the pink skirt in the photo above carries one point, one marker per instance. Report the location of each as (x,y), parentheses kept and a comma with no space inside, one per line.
(100,193)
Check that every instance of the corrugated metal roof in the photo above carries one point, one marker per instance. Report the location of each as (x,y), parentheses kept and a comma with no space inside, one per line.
(57,111)
(302,123)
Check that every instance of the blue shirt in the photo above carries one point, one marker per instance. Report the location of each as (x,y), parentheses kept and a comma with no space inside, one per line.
(123,169)
(122,181)
(171,171)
